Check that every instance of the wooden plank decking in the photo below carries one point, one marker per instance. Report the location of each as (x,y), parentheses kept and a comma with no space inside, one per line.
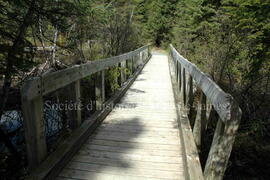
(139,139)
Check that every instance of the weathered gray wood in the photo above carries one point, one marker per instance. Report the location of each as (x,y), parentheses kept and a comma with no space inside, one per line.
(31,87)
(136,165)
(131,156)
(34,127)
(144,172)
(130,145)
(203,114)
(228,111)
(177,71)
(74,113)
(155,152)
(130,62)
(220,100)
(222,145)
(100,89)
(212,153)
(86,175)
(197,134)
(128,69)
(53,81)
(180,77)
(123,73)
(184,88)
(58,159)
(200,121)
(134,62)
(192,164)
(190,99)
(126,151)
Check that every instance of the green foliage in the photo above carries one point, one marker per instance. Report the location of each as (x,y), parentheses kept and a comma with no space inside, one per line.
(156,18)
(229,39)
(112,78)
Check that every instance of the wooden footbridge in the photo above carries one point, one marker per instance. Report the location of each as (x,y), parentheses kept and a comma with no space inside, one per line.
(143,131)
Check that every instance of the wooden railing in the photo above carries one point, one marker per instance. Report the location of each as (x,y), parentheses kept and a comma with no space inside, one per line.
(190,81)
(34,90)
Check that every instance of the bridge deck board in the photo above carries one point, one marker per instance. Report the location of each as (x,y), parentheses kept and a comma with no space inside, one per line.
(139,139)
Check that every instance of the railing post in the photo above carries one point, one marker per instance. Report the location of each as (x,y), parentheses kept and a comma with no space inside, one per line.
(34,125)
(177,71)
(74,95)
(190,92)
(222,145)
(180,77)
(123,72)
(134,64)
(140,59)
(144,56)
(184,87)
(203,114)
(192,111)
(148,51)
(200,121)
(100,89)
(131,62)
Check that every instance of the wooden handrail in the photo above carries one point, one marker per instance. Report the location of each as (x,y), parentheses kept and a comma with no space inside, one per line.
(51,82)
(223,103)
(33,91)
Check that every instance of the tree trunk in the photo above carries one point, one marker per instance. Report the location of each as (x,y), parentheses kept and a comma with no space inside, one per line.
(13,51)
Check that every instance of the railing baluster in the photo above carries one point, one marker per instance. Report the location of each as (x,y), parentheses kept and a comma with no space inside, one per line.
(200,121)
(131,62)
(140,59)
(203,114)
(100,89)
(184,86)
(190,98)
(180,77)
(74,114)
(135,61)
(177,71)
(123,72)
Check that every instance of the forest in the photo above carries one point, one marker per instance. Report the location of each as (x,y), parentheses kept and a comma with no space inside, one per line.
(228,39)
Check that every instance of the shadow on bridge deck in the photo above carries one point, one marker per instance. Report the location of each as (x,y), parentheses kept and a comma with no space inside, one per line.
(139,139)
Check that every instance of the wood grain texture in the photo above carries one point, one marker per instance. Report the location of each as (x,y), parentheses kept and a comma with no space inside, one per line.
(34,126)
(53,81)
(192,165)
(139,139)
(221,101)
(228,123)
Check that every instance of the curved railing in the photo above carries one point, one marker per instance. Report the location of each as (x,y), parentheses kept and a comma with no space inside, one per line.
(190,80)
